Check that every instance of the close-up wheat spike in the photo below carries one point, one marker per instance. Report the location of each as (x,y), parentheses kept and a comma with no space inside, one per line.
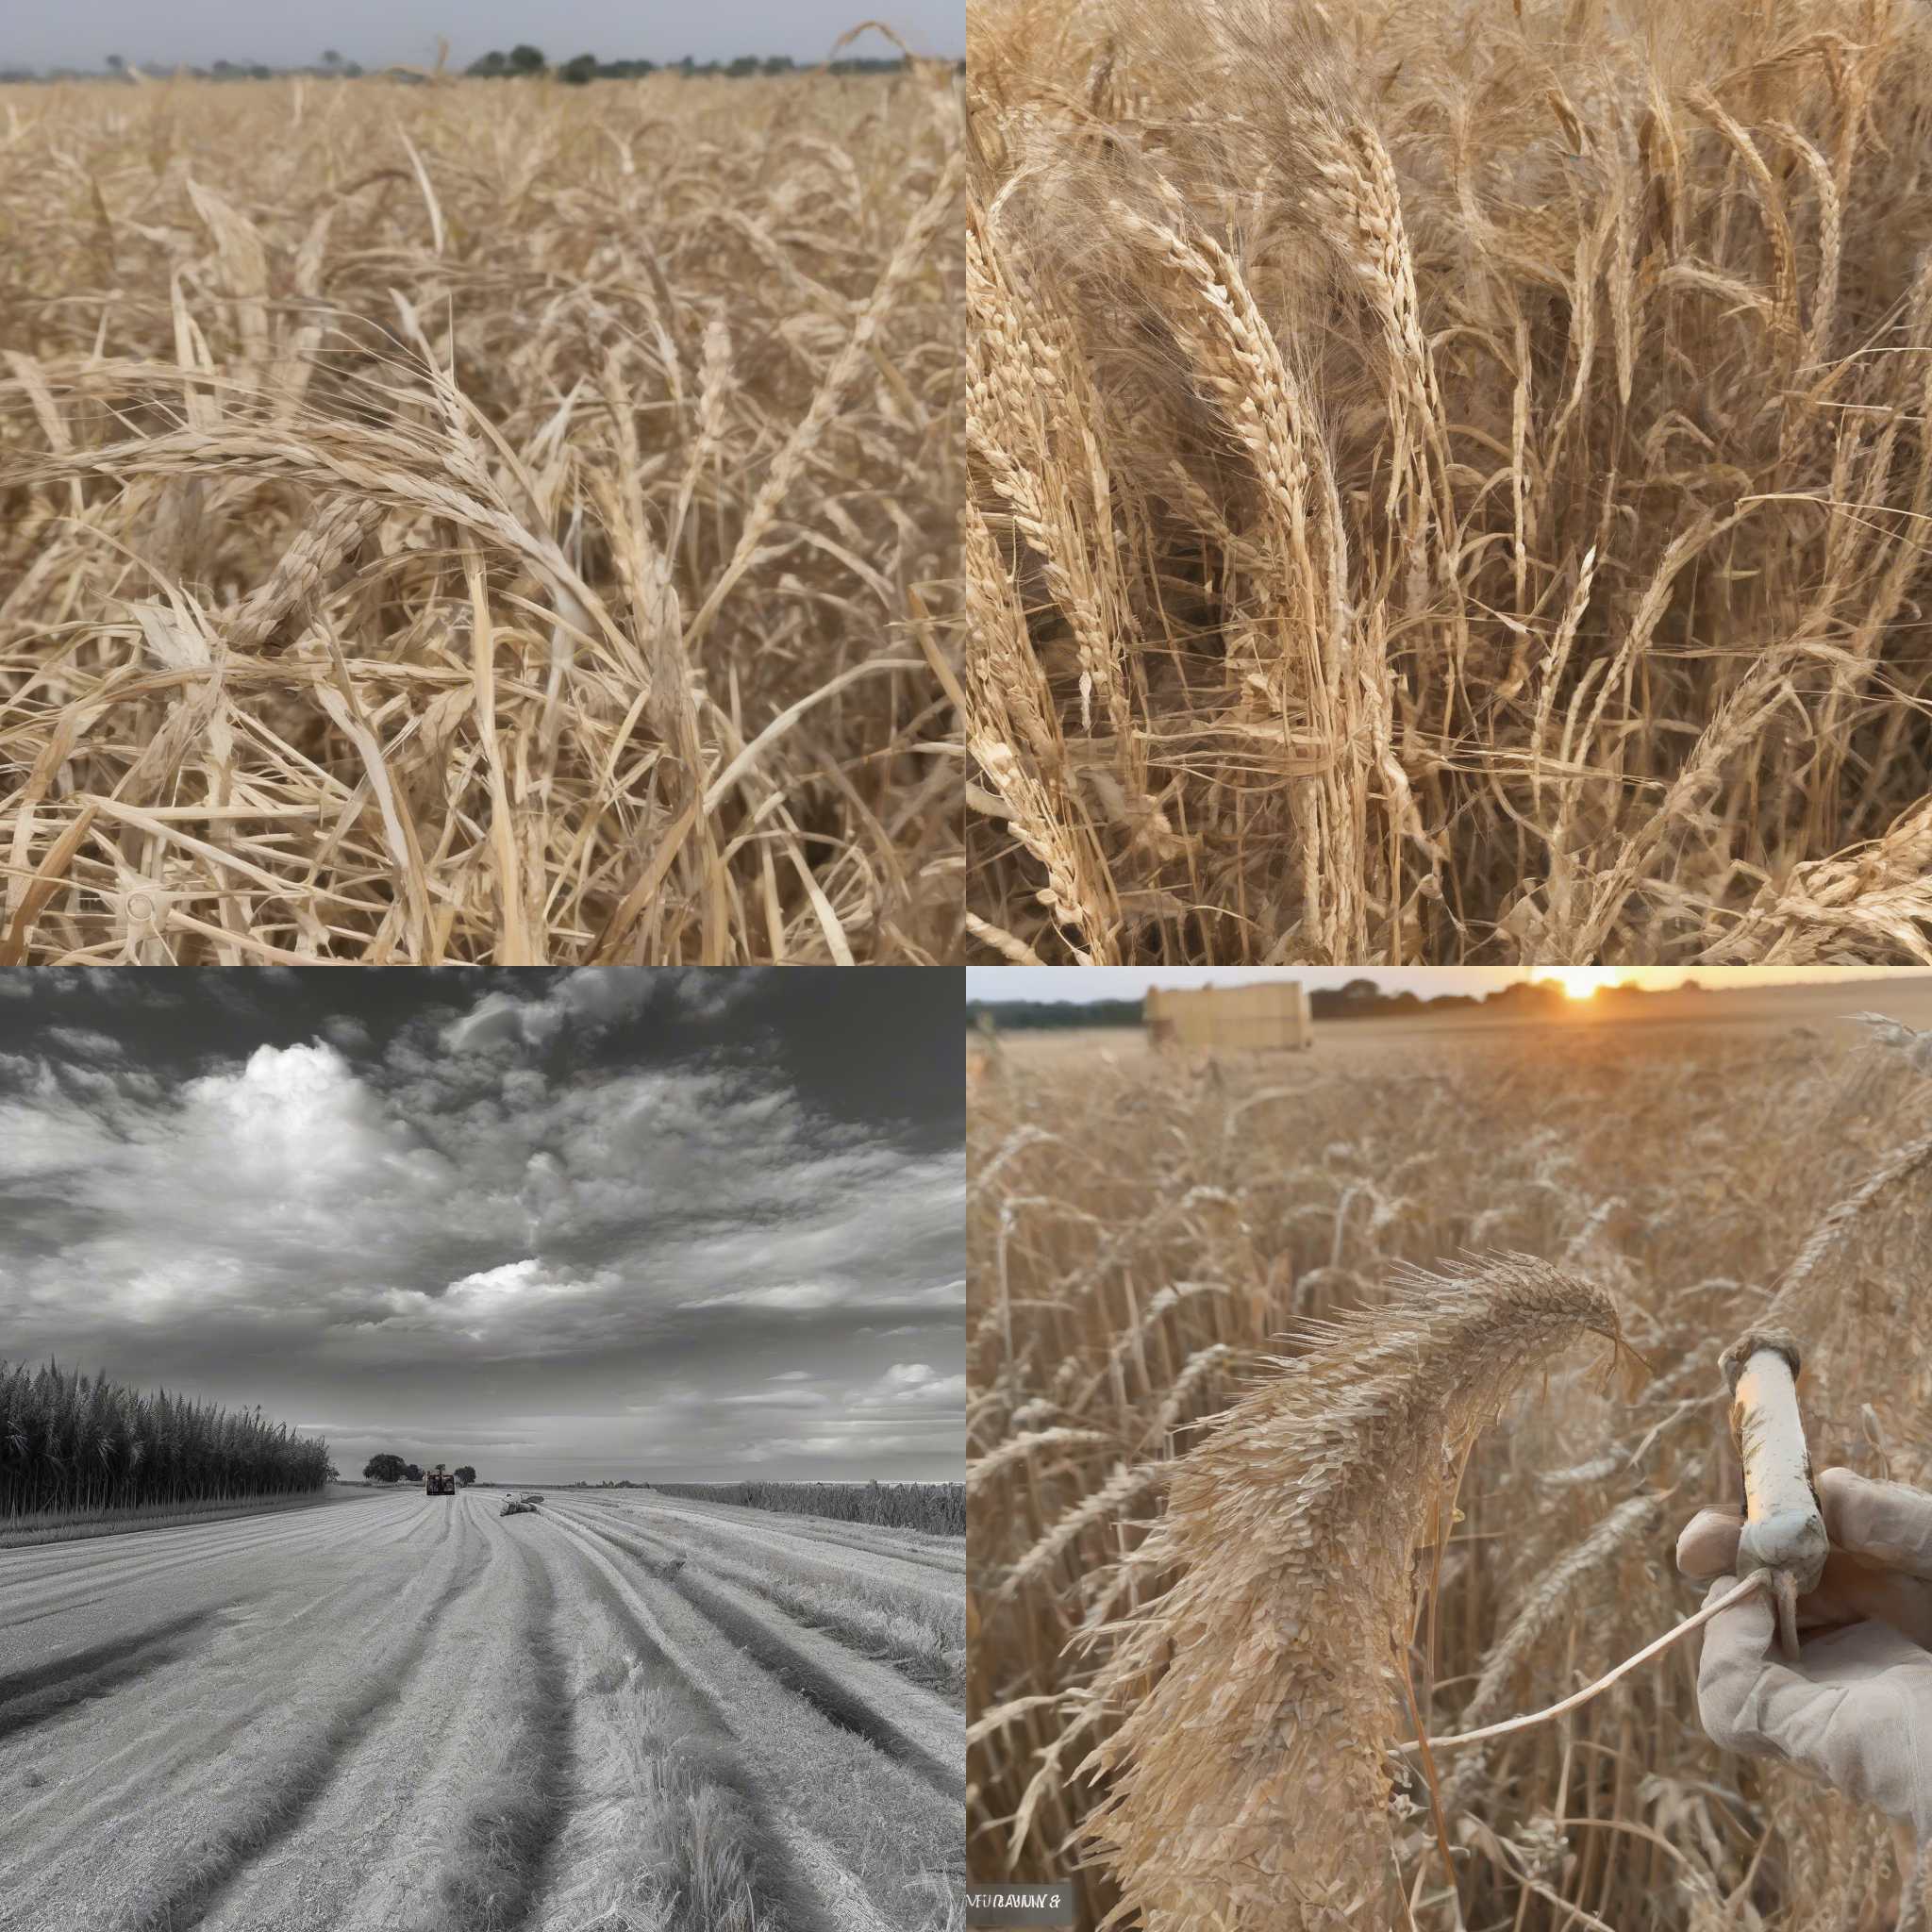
(1449,481)
(1256,1689)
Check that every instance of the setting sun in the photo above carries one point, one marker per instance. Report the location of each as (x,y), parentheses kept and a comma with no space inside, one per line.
(1578,982)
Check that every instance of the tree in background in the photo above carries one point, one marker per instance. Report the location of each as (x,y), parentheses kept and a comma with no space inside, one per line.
(524,58)
(489,66)
(580,71)
(383,1468)
(331,59)
(411,1473)
(466,1476)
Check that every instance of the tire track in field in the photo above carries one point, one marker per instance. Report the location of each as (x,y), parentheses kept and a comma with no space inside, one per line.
(32,1696)
(789,1660)
(819,1533)
(141,1548)
(95,1534)
(83,1583)
(161,1739)
(71,1588)
(290,1788)
(796,1892)
(774,1729)
(832,1561)
(151,1726)
(440,1813)
(785,1590)
(510,1828)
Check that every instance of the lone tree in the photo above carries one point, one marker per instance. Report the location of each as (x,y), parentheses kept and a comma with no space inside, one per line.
(466,1476)
(383,1468)
(580,71)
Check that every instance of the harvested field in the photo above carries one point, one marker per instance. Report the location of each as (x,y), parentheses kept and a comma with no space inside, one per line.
(406,1712)
(481,522)
(1449,482)
(1229,1616)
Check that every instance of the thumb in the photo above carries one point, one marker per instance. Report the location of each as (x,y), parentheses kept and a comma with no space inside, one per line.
(1708,1546)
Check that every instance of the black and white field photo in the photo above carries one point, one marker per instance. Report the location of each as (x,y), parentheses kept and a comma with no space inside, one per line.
(481,1450)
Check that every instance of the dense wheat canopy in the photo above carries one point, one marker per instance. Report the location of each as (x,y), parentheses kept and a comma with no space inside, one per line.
(480,521)
(1242,1483)
(1449,481)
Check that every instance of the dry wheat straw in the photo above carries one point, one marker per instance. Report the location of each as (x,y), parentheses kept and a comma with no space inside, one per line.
(1461,468)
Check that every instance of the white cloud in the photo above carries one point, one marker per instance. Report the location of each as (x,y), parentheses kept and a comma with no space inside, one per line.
(803,1295)
(366,1227)
(88,1046)
(592,998)
(913,1384)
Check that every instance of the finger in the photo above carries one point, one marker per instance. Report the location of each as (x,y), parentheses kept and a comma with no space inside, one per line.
(1745,1696)
(1888,1522)
(1708,1546)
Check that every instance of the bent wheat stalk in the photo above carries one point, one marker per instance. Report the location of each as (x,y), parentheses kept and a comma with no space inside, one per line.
(1746,1587)
(1259,1684)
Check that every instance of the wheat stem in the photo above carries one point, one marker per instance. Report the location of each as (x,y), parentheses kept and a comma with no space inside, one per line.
(1578,1698)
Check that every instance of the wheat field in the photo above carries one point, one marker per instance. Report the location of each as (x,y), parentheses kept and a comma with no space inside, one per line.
(1449,481)
(1300,1388)
(465,521)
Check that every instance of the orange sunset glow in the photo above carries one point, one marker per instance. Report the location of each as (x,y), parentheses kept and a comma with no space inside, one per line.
(1580,982)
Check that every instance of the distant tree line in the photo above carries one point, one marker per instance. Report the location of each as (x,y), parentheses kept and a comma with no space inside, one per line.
(392,1469)
(521,63)
(1360,999)
(68,1442)
(524,61)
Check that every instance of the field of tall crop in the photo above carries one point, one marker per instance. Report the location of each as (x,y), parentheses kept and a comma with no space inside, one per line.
(1313,1398)
(1450,481)
(78,1448)
(481,520)
(932,1509)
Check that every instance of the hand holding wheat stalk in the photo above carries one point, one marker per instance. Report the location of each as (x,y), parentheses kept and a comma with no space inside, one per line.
(1306,1510)
(1784,1543)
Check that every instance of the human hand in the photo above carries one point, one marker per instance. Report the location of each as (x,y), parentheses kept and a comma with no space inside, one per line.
(1856,1708)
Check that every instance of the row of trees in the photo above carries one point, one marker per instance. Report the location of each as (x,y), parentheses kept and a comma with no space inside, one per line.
(73,1443)
(392,1469)
(521,61)
(525,61)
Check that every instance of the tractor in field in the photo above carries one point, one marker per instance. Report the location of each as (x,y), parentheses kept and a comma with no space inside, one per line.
(440,1482)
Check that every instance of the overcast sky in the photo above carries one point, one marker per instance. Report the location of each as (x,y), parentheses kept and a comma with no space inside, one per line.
(1130,982)
(618,1222)
(197,33)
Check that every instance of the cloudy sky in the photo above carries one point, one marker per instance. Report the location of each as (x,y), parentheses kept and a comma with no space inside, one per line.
(197,33)
(615,1223)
